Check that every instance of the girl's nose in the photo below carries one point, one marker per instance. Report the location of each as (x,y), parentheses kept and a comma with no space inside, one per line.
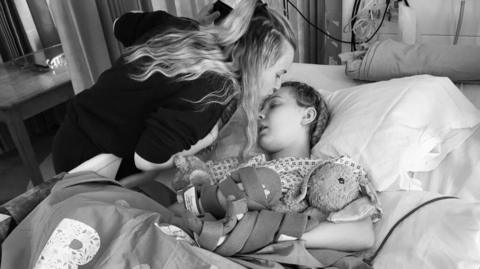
(261,116)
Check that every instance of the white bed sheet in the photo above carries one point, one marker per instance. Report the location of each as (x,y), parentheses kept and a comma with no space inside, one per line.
(442,235)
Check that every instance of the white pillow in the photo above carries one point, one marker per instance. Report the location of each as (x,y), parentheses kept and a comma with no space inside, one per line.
(398,126)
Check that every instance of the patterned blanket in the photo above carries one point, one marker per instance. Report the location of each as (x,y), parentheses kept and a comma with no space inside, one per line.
(89,221)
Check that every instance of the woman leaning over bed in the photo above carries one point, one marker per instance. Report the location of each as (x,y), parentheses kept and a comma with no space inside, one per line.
(172,85)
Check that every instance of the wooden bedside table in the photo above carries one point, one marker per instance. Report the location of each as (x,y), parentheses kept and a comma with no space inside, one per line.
(26,90)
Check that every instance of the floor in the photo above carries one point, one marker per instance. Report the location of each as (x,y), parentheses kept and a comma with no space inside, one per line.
(13,179)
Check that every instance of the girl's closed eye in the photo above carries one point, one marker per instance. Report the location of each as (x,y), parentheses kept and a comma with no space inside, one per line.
(273,104)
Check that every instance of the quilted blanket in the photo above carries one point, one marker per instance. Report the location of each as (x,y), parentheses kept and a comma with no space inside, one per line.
(89,221)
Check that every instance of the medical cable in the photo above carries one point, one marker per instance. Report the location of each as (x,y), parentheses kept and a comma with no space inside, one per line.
(460,21)
(336,39)
(353,20)
(369,261)
(356,24)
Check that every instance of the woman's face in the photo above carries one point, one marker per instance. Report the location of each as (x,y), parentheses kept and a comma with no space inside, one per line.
(272,76)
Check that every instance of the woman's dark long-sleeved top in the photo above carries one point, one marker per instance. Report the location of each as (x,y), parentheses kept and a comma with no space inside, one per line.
(153,117)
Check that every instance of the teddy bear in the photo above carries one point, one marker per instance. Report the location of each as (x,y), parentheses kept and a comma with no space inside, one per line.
(327,190)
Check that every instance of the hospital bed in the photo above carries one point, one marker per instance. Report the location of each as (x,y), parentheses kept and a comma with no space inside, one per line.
(444,234)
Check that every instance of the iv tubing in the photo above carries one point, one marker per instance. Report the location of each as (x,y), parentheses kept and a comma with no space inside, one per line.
(460,20)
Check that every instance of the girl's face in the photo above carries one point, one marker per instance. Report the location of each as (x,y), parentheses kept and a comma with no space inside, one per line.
(281,122)
(272,76)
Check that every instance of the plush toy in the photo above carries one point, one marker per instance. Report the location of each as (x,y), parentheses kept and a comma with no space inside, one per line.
(190,171)
(329,188)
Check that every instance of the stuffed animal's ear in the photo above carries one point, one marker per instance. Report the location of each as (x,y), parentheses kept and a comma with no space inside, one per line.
(304,187)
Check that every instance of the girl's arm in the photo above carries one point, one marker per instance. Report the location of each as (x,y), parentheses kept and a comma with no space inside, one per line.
(347,236)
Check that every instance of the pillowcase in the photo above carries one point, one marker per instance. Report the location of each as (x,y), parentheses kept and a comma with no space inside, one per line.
(396,127)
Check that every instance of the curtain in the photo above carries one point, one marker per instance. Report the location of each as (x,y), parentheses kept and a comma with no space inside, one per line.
(13,40)
(313,45)
(310,41)
(41,23)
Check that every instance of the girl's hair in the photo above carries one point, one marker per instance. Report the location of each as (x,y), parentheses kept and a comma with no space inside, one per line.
(249,40)
(307,96)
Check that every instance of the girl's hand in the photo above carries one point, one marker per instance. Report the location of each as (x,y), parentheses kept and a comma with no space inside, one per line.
(315,214)
(315,217)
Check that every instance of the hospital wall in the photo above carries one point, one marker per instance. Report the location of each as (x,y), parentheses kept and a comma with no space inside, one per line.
(425,21)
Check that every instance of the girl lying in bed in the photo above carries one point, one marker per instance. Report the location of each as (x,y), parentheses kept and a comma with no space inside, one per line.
(291,121)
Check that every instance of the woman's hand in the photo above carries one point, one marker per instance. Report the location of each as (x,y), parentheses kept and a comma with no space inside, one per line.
(205,17)
(146,165)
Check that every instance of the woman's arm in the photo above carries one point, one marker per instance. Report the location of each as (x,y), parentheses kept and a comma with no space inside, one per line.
(146,165)
(348,236)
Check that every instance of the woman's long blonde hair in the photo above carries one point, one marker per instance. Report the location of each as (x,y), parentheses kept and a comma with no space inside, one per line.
(249,40)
